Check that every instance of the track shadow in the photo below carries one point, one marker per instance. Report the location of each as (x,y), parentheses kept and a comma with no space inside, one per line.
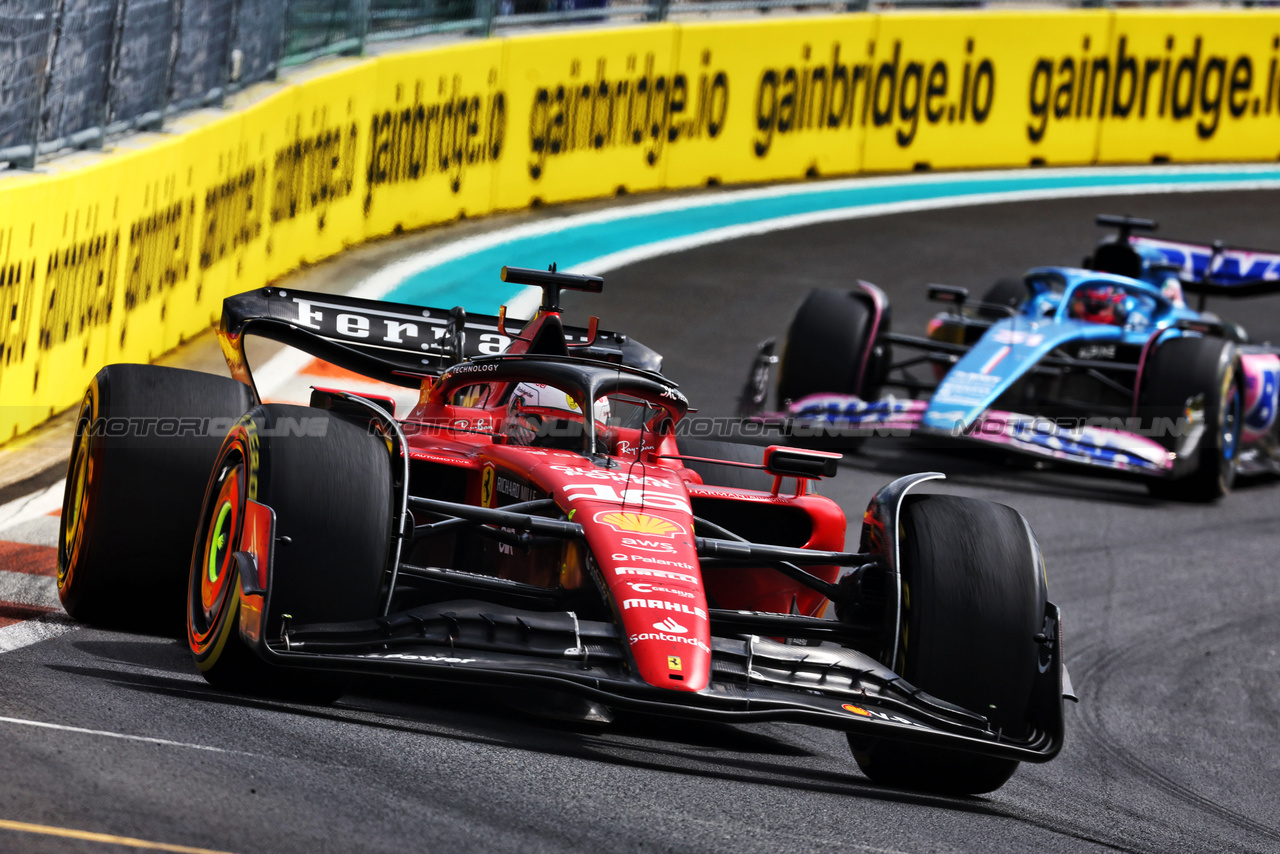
(159,653)
(468,714)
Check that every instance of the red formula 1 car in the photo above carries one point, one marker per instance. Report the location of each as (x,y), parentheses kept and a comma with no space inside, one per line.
(536,522)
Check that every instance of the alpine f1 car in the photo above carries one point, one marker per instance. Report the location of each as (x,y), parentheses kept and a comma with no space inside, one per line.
(534,522)
(1105,366)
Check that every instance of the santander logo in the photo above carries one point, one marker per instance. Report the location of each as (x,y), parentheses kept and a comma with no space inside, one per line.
(670,625)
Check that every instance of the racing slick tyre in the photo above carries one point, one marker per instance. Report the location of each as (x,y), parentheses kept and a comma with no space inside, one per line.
(1004,294)
(733,477)
(328,481)
(825,347)
(145,441)
(973,599)
(829,338)
(1180,370)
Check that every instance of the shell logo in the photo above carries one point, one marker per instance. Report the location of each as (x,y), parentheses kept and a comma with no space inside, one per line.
(639,523)
(857,710)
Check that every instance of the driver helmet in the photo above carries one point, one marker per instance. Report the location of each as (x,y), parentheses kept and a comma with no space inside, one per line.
(544,416)
(1100,304)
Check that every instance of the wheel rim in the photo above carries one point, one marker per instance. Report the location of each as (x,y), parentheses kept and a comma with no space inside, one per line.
(75,512)
(1231,423)
(211,585)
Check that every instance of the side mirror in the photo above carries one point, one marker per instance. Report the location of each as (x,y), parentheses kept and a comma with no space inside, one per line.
(781,461)
(1201,326)
(950,294)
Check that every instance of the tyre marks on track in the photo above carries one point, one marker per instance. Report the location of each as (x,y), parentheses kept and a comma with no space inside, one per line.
(1100,669)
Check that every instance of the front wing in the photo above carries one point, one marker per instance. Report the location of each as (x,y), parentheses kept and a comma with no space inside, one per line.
(753,678)
(836,416)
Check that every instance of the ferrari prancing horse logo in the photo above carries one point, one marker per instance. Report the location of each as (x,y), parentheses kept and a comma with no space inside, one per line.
(487,479)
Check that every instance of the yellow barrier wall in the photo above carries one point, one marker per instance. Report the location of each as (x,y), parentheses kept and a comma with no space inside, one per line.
(121,256)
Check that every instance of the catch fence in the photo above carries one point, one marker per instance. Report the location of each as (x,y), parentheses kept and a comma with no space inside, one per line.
(74,73)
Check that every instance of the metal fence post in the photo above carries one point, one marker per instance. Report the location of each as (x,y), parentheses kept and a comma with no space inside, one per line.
(282,47)
(487,9)
(42,91)
(661,9)
(175,48)
(113,69)
(357,25)
(228,61)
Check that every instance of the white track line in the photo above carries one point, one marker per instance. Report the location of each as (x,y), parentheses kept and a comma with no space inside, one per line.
(108,734)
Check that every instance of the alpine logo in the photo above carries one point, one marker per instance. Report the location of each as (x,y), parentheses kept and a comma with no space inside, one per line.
(1096,351)
(670,625)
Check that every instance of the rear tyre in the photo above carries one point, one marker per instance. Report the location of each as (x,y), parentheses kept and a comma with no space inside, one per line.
(1180,370)
(973,600)
(145,441)
(732,477)
(329,483)
(1004,294)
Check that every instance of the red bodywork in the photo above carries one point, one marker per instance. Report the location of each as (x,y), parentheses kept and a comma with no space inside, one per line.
(638,521)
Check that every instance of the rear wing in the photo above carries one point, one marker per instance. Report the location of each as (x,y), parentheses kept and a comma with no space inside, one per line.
(393,342)
(1217,270)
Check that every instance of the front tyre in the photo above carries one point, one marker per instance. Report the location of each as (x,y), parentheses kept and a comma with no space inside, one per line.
(830,347)
(145,441)
(973,599)
(1181,371)
(328,481)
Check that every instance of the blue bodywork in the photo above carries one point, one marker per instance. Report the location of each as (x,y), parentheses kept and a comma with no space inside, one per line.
(1089,357)
(1015,344)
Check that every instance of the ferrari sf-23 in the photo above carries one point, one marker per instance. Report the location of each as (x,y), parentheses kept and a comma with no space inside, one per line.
(1104,366)
(535,523)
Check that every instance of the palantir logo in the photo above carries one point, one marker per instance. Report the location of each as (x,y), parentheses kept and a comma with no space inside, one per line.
(670,625)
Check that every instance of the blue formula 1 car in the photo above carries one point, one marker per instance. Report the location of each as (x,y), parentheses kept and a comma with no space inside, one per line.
(1103,366)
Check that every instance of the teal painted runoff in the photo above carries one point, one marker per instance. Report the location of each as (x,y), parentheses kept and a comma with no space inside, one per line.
(472,280)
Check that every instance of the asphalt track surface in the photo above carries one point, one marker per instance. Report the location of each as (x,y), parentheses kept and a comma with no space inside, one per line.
(1170,613)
